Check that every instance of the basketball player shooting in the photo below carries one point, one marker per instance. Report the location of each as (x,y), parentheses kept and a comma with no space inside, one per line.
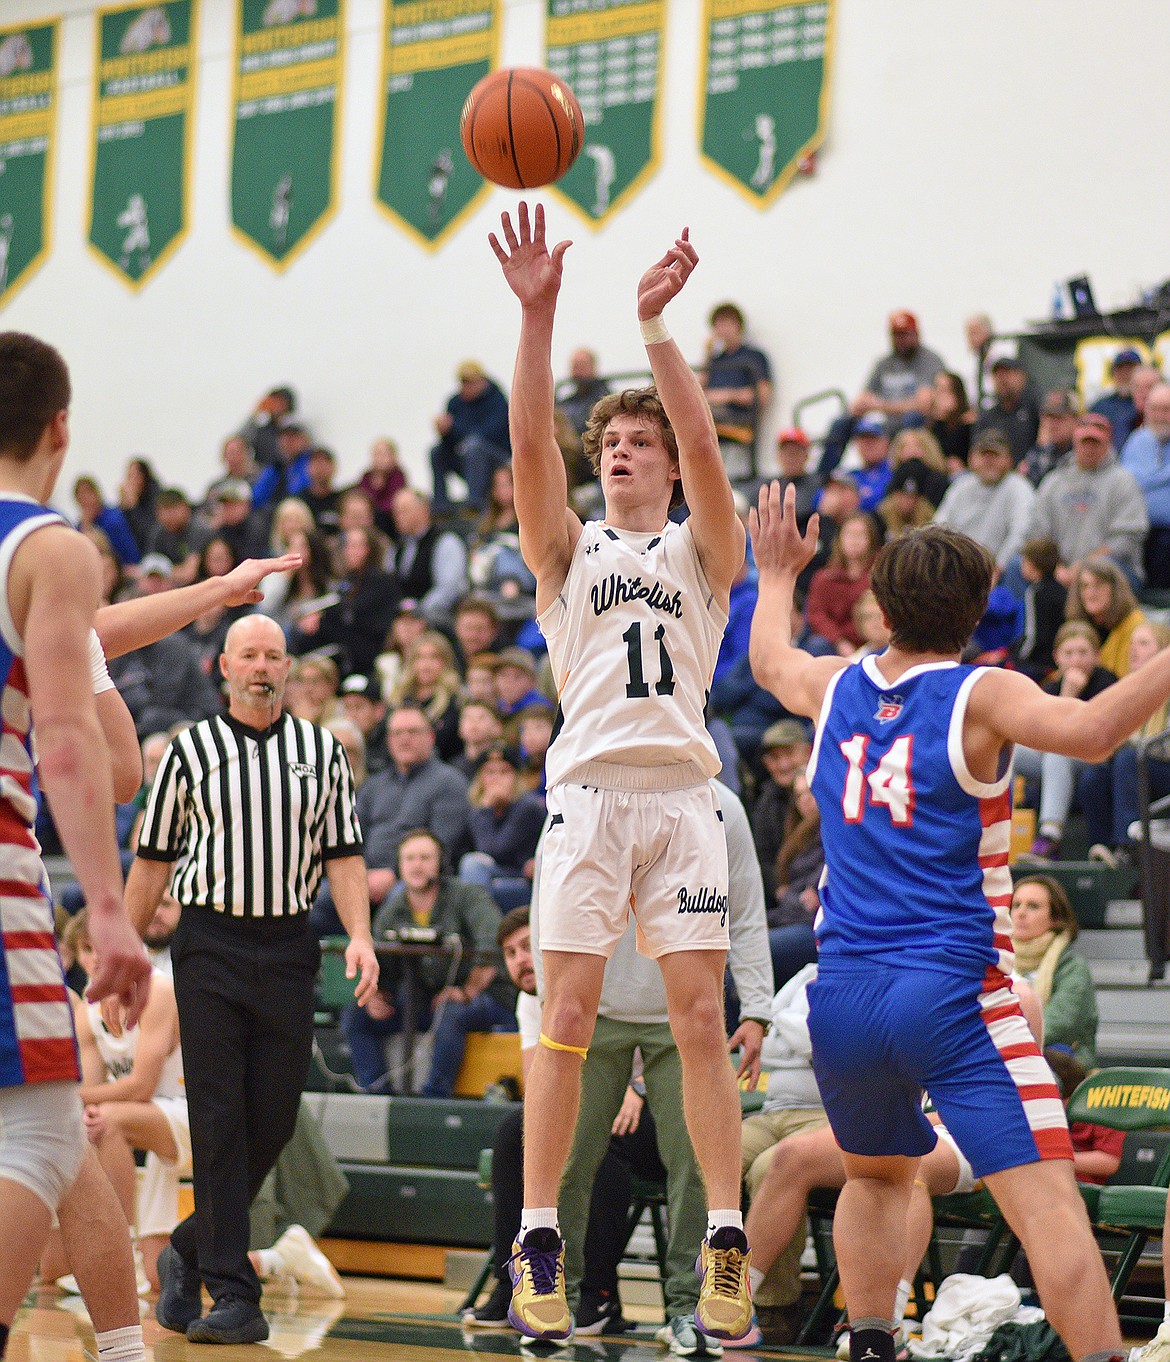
(633,608)
(911,769)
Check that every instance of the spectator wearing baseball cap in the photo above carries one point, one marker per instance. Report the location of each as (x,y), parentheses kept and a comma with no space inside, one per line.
(473,437)
(1012,408)
(516,686)
(990,502)
(1118,404)
(1058,419)
(1092,506)
(872,441)
(792,456)
(784,752)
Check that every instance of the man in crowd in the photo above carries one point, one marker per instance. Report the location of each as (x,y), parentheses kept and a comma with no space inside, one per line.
(362,703)
(587,389)
(1147,456)
(899,384)
(1058,420)
(473,437)
(1013,410)
(737,381)
(431,563)
(1118,404)
(991,502)
(451,996)
(871,436)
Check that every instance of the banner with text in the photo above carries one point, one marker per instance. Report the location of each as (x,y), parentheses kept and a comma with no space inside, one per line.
(287,122)
(765,90)
(434,51)
(143,119)
(609,53)
(28,99)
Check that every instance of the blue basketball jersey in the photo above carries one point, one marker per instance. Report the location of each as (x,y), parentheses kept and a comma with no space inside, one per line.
(916,848)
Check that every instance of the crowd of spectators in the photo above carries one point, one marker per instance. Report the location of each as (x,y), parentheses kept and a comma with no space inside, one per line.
(411,616)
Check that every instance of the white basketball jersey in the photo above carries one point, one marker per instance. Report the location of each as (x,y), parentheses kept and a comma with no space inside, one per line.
(632,638)
(118,1052)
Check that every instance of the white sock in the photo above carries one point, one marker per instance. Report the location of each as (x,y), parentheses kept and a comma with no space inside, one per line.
(269,1263)
(903,1296)
(538,1218)
(717,1220)
(756,1277)
(121,1345)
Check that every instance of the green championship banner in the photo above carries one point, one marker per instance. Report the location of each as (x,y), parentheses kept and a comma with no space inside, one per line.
(143,119)
(287,122)
(610,56)
(28,81)
(765,90)
(434,52)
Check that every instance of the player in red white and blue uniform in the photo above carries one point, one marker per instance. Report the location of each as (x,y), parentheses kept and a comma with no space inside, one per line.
(911,768)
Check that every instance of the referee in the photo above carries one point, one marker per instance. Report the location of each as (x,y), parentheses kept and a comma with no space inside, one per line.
(245,812)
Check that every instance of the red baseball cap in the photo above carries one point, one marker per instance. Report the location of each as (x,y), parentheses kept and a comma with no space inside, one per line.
(903,321)
(1097,424)
(793,436)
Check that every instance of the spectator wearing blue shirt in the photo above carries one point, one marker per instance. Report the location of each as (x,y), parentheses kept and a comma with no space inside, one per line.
(1119,405)
(290,476)
(870,434)
(1147,456)
(473,437)
(110,519)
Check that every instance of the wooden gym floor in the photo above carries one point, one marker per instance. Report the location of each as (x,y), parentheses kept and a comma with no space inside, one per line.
(381,1320)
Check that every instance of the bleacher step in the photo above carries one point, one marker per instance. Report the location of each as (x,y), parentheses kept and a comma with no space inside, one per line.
(1111,943)
(1123,913)
(1119,973)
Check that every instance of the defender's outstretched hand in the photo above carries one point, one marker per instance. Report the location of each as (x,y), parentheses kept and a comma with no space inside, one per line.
(532,271)
(777,542)
(665,278)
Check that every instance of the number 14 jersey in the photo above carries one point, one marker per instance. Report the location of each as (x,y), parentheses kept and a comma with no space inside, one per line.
(916,849)
(632,638)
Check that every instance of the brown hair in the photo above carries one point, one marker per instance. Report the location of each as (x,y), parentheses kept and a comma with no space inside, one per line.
(34,387)
(1059,907)
(837,552)
(75,937)
(933,584)
(1121,600)
(1043,554)
(643,402)
(799,832)
(512,921)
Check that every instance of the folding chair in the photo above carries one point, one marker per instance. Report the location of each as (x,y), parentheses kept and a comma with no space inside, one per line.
(1127,1216)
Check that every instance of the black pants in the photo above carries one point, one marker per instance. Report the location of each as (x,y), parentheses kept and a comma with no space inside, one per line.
(246,1023)
(605,1235)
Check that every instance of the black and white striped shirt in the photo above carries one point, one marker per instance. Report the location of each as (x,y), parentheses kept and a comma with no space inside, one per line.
(249,816)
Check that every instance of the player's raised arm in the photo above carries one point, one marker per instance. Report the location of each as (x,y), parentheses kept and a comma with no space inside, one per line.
(548,529)
(796,678)
(718,533)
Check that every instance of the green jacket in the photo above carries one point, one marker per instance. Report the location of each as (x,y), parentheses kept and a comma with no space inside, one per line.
(1070,1014)
(464,910)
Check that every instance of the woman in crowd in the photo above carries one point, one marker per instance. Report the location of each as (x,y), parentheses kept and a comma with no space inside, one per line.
(951,420)
(216,559)
(312,689)
(288,596)
(1100,594)
(799,863)
(836,588)
(1108,792)
(350,736)
(113,580)
(1043,930)
(430,680)
(136,499)
(381,481)
(367,597)
(407,627)
(505,827)
(1078,675)
(494,562)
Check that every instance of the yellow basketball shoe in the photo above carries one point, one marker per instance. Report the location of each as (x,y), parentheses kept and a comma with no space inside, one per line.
(537,1268)
(725,1293)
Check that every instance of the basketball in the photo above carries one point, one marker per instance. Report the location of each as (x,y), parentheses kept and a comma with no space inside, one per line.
(522,127)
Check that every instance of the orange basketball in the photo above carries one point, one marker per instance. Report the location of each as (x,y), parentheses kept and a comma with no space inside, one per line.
(522,127)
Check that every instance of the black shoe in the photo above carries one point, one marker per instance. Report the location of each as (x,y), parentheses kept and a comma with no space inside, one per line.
(493,1313)
(600,1312)
(230,1320)
(180,1297)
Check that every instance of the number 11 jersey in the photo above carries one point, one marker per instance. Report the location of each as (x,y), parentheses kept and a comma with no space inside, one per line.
(632,638)
(916,848)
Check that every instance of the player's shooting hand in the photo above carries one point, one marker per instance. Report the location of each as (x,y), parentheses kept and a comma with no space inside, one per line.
(777,542)
(532,271)
(665,278)
(361,962)
(629,1114)
(123,969)
(749,1041)
(242,582)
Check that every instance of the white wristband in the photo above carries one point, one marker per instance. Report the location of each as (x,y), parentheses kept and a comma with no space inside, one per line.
(99,673)
(654,330)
